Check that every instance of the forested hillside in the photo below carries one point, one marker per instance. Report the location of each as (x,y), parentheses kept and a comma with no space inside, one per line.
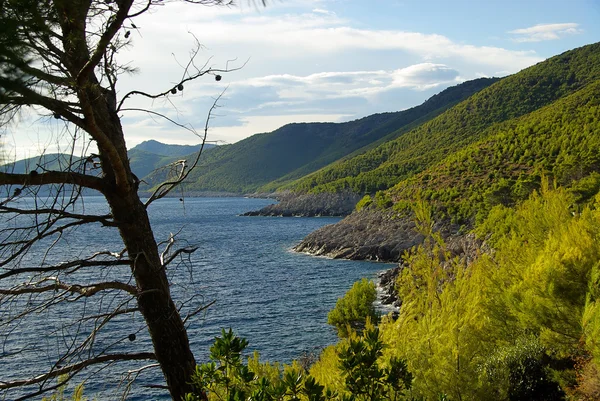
(512,97)
(560,142)
(480,165)
(264,161)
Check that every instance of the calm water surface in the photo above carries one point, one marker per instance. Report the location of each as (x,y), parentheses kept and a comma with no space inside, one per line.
(276,298)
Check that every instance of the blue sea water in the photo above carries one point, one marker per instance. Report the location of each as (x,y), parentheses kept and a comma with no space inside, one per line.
(276,298)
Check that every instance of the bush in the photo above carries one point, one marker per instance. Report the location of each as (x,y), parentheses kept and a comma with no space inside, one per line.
(354,308)
(523,370)
(228,378)
(364,202)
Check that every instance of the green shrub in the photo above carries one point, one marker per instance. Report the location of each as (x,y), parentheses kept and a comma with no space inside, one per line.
(363,203)
(523,370)
(354,308)
(228,378)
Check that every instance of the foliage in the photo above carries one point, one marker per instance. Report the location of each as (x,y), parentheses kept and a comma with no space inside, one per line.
(365,379)
(509,325)
(354,309)
(521,372)
(559,141)
(59,393)
(440,329)
(227,378)
(363,203)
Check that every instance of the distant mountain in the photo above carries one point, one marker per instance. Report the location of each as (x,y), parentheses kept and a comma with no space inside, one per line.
(162,149)
(264,162)
(144,158)
(150,156)
(51,161)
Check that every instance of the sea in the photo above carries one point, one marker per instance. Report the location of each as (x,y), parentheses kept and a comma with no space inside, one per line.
(243,271)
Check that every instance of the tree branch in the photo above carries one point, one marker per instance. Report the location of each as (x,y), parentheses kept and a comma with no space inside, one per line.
(76,265)
(77,367)
(174,87)
(64,214)
(178,252)
(31,97)
(107,36)
(166,187)
(54,177)
(84,290)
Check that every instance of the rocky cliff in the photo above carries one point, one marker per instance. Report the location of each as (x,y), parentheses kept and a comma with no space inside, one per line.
(374,234)
(310,205)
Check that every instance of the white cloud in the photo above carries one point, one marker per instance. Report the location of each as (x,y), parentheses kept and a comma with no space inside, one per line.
(304,61)
(302,36)
(424,76)
(542,32)
(322,11)
(301,91)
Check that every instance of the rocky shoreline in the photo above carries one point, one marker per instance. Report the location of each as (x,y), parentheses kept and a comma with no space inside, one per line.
(385,236)
(379,235)
(466,247)
(309,205)
(388,295)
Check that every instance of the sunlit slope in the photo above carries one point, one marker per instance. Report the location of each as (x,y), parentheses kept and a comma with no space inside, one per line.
(467,122)
(560,142)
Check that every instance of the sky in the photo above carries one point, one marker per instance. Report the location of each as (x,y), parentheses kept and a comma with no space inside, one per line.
(316,60)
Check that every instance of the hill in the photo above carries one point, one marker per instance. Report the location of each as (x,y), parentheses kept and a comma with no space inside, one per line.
(51,161)
(491,149)
(152,155)
(144,158)
(264,162)
(512,97)
(158,148)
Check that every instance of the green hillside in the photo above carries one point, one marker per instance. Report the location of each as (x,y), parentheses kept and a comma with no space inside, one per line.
(151,155)
(509,310)
(144,163)
(404,122)
(265,161)
(470,121)
(560,142)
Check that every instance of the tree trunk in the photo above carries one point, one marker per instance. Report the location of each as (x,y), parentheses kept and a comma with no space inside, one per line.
(166,328)
(102,122)
(165,325)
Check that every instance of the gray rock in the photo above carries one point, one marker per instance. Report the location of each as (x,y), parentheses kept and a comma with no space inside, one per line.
(310,205)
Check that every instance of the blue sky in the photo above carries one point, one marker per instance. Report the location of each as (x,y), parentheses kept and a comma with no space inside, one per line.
(322,60)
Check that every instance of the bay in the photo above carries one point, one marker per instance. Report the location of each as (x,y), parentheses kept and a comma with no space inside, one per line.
(244,266)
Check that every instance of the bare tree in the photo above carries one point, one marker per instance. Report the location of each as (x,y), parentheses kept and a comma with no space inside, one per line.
(58,59)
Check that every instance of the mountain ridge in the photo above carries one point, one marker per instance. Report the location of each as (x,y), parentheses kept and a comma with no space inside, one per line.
(262,162)
(501,164)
